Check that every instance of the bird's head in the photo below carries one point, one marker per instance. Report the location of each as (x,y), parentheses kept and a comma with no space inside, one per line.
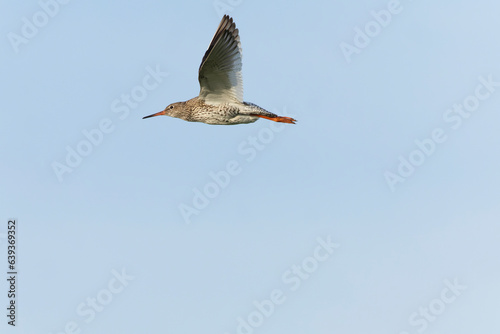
(172,110)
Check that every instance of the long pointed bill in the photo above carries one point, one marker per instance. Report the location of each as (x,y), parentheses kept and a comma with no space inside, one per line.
(157,114)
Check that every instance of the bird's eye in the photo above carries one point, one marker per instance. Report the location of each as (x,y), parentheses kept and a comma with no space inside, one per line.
(171,107)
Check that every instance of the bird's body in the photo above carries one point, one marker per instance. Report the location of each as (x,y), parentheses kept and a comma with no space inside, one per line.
(221,86)
(196,110)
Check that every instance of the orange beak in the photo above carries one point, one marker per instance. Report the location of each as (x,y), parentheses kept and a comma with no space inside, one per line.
(157,114)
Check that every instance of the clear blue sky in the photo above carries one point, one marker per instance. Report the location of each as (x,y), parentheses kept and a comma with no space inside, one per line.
(376,213)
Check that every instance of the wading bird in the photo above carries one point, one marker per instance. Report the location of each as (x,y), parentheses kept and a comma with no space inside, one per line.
(221,86)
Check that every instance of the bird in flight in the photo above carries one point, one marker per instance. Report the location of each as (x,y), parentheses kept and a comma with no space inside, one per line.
(221,86)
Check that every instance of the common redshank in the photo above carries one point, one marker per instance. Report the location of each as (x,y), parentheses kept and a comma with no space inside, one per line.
(221,86)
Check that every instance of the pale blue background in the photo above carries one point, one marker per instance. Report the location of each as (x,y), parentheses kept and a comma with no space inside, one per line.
(323,176)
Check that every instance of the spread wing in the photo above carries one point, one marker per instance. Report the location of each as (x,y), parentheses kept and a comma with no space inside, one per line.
(220,70)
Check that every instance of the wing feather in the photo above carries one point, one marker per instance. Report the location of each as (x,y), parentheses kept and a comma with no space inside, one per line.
(220,70)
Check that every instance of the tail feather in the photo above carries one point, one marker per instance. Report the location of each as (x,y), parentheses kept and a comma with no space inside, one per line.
(252,109)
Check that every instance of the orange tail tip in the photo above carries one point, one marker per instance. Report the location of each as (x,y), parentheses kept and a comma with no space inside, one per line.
(281,119)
